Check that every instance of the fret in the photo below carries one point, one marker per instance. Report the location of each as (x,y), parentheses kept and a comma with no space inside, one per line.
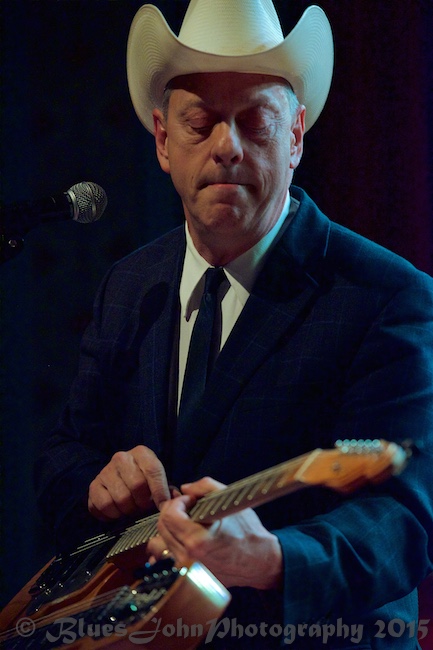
(253,491)
(201,511)
(241,496)
(270,484)
(197,509)
(228,500)
(216,506)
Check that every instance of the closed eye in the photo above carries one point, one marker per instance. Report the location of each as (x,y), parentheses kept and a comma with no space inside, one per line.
(256,121)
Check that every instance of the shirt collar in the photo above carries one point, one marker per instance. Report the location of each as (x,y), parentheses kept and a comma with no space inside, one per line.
(241,272)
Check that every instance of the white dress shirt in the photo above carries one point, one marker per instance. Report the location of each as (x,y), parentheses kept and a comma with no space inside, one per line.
(241,274)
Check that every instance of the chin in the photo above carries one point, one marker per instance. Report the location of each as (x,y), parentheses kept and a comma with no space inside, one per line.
(226,222)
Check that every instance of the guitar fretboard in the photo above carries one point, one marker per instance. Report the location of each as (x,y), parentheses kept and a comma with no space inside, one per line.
(249,492)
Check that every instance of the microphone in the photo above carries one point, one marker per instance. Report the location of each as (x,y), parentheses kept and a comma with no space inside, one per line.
(83,202)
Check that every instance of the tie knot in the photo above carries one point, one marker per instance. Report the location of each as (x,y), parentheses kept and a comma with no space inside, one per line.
(213,279)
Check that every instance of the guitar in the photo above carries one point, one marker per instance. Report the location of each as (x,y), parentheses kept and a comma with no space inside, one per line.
(105,595)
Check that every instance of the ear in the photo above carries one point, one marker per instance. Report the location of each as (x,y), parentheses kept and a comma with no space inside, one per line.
(297,138)
(161,139)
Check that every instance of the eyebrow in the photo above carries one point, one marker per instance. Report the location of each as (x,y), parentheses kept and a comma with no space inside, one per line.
(194,103)
(198,103)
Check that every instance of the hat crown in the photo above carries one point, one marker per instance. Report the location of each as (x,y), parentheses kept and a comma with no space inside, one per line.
(231,27)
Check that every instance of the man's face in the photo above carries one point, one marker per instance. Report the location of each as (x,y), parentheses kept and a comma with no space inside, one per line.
(230,144)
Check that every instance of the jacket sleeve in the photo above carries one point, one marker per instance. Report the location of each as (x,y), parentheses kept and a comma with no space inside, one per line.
(376,546)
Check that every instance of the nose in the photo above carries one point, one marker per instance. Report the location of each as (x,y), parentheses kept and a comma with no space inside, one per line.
(227,146)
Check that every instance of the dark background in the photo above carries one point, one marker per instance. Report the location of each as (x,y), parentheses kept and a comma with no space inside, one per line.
(66,117)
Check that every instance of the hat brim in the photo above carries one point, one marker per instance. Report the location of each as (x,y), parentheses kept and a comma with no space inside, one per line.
(155,56)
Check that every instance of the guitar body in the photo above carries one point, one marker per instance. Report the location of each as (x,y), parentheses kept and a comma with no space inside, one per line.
(107,578)
(18,605)
(109,613)
(180,621)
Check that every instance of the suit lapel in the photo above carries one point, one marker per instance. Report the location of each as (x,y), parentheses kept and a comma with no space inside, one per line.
(284,293)
(158,376)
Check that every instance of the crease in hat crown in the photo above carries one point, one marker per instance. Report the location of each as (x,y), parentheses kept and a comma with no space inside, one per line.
(238,26)
(229,35)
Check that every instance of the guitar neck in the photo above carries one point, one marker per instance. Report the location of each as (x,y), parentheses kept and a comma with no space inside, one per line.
(249,492)
(346,468)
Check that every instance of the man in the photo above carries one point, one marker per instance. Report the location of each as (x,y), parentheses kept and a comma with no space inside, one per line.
(322,335)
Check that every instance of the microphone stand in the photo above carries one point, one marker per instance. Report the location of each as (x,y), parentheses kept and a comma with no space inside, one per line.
(9,248)
(17,220)
(10,244)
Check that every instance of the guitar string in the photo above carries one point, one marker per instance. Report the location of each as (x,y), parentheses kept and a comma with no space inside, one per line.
(66,611)
(102,599)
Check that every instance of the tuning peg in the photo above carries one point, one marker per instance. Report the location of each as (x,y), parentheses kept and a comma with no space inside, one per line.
(359,446)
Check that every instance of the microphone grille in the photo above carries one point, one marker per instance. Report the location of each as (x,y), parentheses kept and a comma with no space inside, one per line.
(88,200)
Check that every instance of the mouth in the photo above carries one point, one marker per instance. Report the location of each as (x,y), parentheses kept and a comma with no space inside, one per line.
(226,185)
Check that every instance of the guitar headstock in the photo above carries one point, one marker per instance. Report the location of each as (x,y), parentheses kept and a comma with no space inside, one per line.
(352,464)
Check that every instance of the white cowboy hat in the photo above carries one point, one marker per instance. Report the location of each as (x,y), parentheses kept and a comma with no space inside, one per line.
(229,36)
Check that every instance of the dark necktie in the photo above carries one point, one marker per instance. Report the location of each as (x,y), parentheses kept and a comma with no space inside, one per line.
(201,354)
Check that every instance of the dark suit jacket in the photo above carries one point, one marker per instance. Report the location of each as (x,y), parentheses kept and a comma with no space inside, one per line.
(335,341)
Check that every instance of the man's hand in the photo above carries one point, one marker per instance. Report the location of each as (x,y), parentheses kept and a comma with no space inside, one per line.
(238,550)
(131,483)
